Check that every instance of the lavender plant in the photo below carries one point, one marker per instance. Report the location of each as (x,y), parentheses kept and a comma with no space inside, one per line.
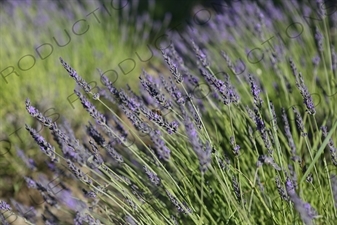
(254,149)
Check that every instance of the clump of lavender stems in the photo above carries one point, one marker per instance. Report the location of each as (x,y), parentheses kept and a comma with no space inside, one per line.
(147,167)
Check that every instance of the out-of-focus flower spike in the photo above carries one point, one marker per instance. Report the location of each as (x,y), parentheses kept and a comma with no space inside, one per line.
(289,136)
(333,60)
(200,55)
(307,213)
(331,145)
(319,39)
(30,163)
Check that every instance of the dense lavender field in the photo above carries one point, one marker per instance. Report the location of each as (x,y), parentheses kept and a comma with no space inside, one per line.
(232,121)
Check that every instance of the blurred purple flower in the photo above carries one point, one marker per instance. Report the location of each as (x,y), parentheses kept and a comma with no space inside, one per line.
(4,206)
(331,145)
(162,150)
(30,163)
(305,210)
(204,153)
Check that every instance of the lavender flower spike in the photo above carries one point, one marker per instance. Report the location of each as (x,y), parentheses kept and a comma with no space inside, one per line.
(79,80)
(100,119)
(38,115)
(46,148)
(200,55)
(163,151)
(307,100)
(152,176)
(255,91)
(173,67)
(299,121)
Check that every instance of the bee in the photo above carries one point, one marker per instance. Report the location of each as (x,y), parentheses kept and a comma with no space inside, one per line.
(157,111)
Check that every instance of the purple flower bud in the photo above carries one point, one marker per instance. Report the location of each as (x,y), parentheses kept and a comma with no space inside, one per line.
(107,83)
(30,183)
(290,187)
(235,147)
(32,110)
(4,206)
